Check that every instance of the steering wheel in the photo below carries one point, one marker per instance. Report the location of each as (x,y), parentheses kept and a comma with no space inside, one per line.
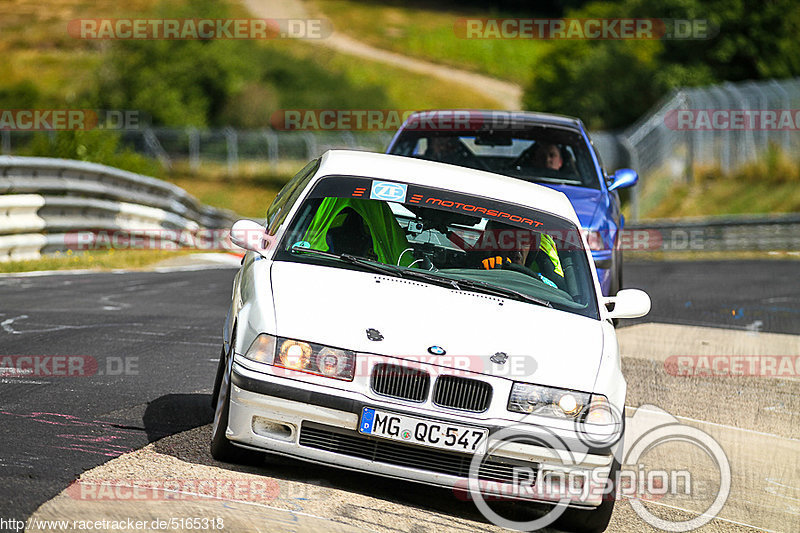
(522,269)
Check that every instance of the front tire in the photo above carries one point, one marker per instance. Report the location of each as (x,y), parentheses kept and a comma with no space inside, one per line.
(223,449)
(218,379)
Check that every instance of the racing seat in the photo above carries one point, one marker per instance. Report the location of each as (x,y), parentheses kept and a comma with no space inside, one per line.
(349,235)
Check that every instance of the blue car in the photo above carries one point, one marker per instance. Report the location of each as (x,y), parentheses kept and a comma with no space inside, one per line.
(551,150)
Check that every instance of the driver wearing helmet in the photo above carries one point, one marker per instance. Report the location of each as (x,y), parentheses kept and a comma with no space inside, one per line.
(516,247)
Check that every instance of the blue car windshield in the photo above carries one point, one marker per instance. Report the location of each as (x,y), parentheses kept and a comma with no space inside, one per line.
(541,155)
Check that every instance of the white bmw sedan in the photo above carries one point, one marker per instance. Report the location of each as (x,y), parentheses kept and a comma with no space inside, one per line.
(431,323)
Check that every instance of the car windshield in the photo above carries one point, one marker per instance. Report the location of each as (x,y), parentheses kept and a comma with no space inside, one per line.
(444,238)
(538,154)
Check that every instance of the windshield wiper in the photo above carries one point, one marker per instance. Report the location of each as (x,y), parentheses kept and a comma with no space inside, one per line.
(477,286)
(444,281)
(501,291)
(352,259)
(557,181)
(426,275)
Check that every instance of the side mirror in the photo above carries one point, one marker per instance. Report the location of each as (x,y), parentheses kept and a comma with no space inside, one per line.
(624,177)
(628,303)
(249,235)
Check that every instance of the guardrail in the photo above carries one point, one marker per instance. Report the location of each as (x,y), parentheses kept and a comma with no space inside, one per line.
(44,201)
(723,233)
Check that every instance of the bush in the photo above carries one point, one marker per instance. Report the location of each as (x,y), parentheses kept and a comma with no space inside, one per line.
(221,82)
(97,146)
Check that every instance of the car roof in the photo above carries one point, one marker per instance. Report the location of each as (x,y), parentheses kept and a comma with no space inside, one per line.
(518,118)
(444,176)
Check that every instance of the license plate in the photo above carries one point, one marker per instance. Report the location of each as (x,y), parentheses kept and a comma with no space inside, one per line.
(413,430)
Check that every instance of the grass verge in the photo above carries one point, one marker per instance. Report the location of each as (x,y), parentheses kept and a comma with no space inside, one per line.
(404,90)
(98,260)
(56,70)
(428,32)
(249,193)
(769,185)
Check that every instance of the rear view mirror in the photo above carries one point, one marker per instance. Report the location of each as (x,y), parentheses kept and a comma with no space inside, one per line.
(249,235)
(491,138)
(624,177)
(629,303)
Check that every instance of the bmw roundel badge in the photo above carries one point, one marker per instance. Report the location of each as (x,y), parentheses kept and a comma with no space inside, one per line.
(436,350)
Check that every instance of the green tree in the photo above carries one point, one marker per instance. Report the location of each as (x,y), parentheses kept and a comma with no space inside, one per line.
(610,83)
(97,146)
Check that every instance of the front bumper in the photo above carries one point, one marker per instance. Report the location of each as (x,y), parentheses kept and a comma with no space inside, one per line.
(319,424)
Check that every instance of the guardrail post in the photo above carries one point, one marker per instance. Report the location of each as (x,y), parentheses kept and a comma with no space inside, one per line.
(232,142)
(633,159)
(786,102)
(5,145)
(311,145)
(194,149)
(155,147)
(272,149)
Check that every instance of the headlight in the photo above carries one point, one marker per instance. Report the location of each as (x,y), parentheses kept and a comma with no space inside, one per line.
(303,356)
(600,412)
(315,359)
(547,401)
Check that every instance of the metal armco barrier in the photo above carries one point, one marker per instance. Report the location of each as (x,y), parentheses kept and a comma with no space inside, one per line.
(44,201)
(724,233)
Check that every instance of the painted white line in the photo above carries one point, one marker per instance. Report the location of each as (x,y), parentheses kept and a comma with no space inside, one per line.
(781,409)
(166,341)
(703,514)
(725,426)
(159,270)
(774,491)
(22,380)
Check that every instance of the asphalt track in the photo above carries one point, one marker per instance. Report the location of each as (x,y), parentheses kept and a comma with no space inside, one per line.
(165,327)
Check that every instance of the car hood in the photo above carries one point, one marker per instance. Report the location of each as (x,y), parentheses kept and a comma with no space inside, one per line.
(336,306)
(584,200)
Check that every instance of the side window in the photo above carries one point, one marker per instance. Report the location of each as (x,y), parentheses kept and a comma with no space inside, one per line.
(279,208)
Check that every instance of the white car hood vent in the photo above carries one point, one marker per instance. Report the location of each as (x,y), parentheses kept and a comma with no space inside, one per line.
(386,279)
